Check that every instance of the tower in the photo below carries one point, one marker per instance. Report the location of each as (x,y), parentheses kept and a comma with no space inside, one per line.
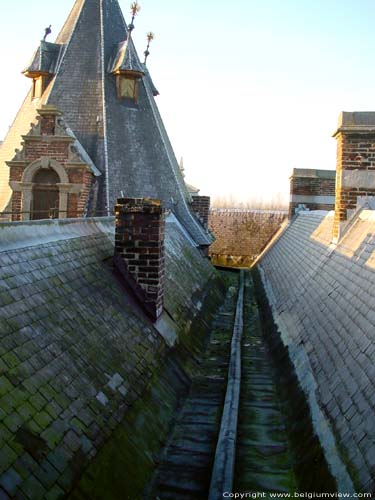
(104,99)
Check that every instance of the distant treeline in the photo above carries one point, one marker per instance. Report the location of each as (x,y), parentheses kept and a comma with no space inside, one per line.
(276,202)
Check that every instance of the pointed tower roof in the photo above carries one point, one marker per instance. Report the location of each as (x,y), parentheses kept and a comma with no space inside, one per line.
(126,59)
(126,141)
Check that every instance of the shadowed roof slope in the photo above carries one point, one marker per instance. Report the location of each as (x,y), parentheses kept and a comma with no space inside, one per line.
(127,142)
(76,351)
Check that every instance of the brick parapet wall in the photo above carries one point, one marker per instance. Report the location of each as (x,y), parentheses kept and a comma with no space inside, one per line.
(355,173)
(241,235)
(139,250)
(201,207)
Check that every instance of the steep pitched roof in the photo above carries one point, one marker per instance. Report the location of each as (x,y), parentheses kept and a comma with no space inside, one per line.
(127,143)
(322,301)
(72,337)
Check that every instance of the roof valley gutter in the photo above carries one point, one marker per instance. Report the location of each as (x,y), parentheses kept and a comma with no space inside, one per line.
(104,110)
(223,469)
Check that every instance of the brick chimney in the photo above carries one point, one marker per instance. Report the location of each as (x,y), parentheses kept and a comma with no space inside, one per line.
(355,172)
(201,207)
(312,189)
(139,250)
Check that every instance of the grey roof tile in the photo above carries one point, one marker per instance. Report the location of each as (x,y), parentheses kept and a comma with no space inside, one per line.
(61,339)
(329,295)
(45,59)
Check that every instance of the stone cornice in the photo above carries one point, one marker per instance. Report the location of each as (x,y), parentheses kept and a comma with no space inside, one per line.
(17,163)
(76,164)
(70,188)
(48,138)
(355,129)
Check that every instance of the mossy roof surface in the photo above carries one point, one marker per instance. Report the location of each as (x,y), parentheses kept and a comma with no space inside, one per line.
(75,351)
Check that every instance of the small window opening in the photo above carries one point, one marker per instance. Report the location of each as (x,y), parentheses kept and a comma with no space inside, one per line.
(39,86)
(128,88)
(45,200)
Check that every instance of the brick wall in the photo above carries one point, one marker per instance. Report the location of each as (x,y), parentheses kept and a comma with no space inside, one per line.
(241,235)
(201,207)
(315,189)
(139,251)
(355,164)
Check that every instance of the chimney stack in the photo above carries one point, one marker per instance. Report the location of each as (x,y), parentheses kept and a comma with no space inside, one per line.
(355,172)
(312,189)
(201,207)
(139,250)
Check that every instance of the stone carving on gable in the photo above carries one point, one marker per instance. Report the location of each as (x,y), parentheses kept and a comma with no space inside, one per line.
(35,128)
(74,155)
(60,128)
(19,153)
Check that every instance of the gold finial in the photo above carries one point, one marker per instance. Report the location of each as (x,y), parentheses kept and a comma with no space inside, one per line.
(150,37)
(134,9)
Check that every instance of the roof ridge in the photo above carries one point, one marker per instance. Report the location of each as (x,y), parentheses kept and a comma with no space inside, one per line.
(60,37)
(104,110)
(66,45)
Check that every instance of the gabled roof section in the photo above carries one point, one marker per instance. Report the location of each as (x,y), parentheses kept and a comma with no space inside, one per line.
(44,60)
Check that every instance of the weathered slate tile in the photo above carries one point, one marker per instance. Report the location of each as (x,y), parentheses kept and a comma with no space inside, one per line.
(331,299)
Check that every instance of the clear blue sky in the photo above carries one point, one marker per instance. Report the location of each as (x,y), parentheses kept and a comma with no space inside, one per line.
(249,89)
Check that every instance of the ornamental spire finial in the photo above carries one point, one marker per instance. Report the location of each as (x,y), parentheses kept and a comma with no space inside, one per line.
(47,32)
(134,9)
(150,37)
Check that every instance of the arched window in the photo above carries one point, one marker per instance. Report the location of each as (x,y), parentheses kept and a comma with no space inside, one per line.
(45,200)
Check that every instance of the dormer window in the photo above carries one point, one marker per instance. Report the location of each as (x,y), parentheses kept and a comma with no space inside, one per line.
(128,87)
(42,67)
(127,70)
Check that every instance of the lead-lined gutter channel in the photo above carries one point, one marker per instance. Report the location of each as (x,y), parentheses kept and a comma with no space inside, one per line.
(185,464)
(223,469)
(276,449)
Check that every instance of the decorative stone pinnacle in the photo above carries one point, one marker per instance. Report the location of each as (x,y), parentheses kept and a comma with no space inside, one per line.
(150,37)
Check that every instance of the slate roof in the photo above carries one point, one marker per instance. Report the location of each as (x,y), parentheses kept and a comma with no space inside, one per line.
(151,84)
(127,143)
(322,296)
(45,59)
(75,351)
(126,58)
